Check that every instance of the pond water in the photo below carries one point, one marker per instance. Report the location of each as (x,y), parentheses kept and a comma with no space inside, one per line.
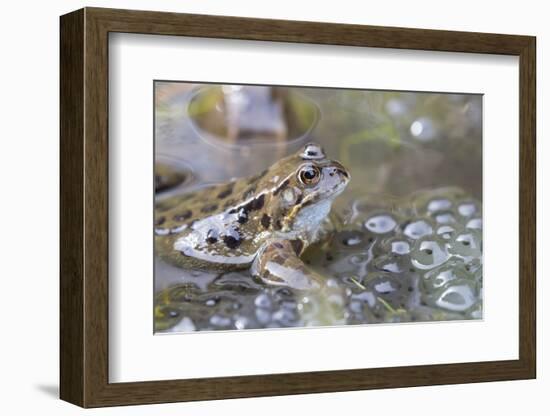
(407,244)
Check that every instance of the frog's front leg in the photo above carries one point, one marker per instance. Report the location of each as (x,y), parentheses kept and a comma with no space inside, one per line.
(278,264)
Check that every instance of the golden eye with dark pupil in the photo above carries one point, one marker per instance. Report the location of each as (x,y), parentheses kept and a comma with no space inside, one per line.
(309,175)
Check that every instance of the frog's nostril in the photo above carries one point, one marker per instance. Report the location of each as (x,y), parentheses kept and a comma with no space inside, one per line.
(343,173)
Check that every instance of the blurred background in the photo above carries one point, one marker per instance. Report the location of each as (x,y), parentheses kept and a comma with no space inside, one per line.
(393,142)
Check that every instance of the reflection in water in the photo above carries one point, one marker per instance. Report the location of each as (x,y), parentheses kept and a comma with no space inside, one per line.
(398,254)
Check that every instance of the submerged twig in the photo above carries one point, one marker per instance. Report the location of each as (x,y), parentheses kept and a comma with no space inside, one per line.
(357,283)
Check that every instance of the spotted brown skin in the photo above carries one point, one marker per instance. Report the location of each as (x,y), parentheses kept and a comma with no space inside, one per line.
(225,227)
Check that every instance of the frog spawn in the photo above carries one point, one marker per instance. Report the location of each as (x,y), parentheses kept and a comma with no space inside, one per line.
(234,301)
(421,260)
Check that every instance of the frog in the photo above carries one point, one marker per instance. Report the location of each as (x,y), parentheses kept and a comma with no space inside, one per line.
(262,223)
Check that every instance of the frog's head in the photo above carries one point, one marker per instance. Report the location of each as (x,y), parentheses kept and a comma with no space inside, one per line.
(308,186)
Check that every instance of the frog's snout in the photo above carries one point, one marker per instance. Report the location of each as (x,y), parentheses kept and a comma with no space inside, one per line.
(339,169)
(343,173)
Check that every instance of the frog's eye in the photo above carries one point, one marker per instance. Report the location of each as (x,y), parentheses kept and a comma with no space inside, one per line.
(309,175)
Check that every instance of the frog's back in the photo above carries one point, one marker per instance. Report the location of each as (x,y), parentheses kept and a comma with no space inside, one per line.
(214,227)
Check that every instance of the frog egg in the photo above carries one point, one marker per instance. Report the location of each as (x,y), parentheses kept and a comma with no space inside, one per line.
(263,316)
(220,321)
(446,231)
(242,322)
(396,245)
(263,301)
(332,284)
(458,297)
(307,306)
(356,307)
(467,209)
(366,297)
(348,264)
(436,205)
(349,239)
(444,218)
(211,302)
(429,253)
(380,224)
(391,289)
(417,229)
(441,276)
(467,244)
(474,224)
(352,241)
(392,264)
(286,317)
(383,283)
(400,247)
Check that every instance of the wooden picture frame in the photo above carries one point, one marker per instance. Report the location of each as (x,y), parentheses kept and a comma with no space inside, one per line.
(84,207)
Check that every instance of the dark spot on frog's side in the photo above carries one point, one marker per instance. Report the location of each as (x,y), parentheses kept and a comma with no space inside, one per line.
(265,221)
(231,241)
(253,205)
(185,215)
(257,203)
(242,216)
(209,208)
(212,236)
(226,192)
(232,237)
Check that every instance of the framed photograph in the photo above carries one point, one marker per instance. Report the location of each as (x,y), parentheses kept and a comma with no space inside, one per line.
(263,207)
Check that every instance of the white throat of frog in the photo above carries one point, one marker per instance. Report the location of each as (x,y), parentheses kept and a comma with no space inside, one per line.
(310,217)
